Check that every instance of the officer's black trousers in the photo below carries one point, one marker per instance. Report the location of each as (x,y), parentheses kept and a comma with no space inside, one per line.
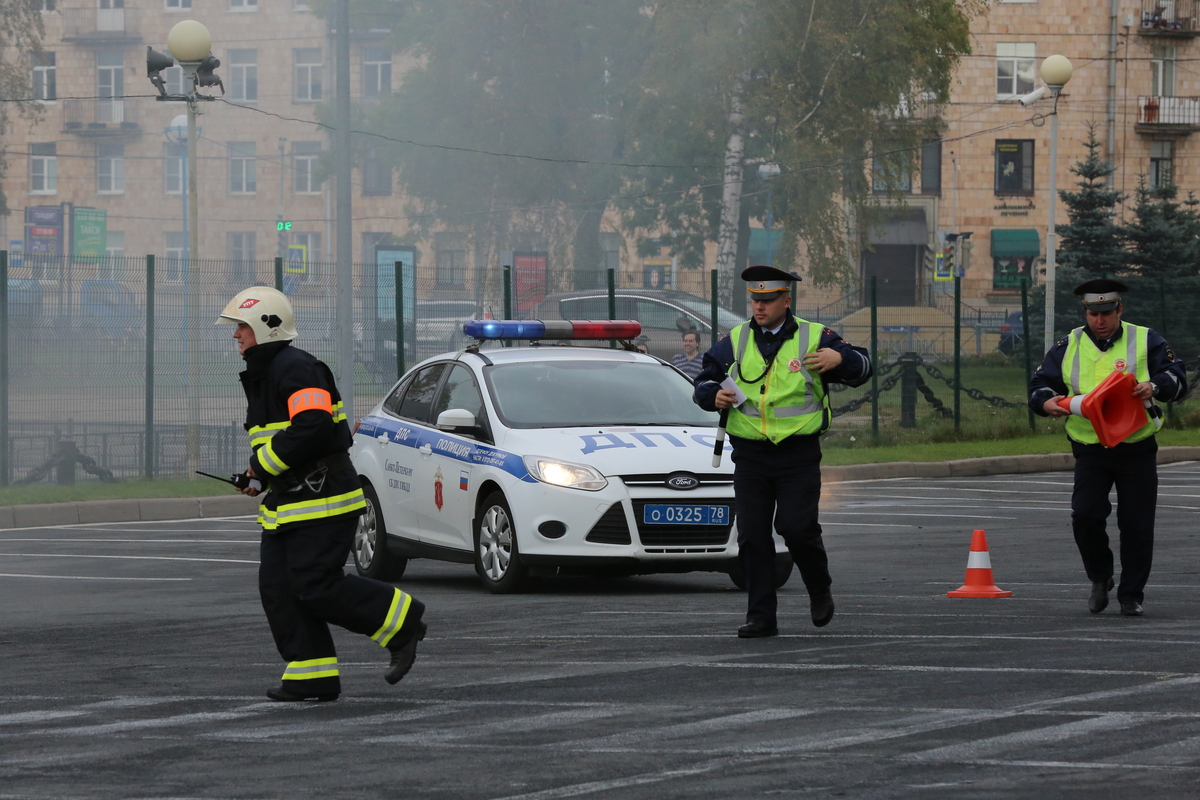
(1131,467)
(303,589)
(780,487)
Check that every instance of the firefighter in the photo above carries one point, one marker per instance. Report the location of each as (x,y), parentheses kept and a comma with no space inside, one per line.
(299,441)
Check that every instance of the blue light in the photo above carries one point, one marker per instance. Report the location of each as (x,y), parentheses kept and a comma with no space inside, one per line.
(504,329)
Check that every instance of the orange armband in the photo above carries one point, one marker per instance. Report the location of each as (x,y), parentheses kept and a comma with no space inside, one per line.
(309,400)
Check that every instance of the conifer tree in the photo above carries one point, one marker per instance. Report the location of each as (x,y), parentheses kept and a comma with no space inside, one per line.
(1092,240)
(1163,234)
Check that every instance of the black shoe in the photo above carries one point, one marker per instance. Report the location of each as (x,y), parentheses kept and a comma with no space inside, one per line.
(403,655)
(285,695)
(1131,608)
(822,608)
(757,629)
(1099,598)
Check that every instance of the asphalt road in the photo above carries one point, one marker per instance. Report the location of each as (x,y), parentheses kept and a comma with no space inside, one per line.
(135,657)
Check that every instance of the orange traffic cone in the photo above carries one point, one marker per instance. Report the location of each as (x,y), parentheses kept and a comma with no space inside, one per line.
(979,581)
(1111,408)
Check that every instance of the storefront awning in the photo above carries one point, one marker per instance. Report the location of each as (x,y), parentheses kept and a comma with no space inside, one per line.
(1015,243)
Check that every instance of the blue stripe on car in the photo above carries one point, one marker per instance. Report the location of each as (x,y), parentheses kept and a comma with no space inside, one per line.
(464,450)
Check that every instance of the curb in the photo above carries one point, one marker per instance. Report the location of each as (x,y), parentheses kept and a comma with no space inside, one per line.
(167,508)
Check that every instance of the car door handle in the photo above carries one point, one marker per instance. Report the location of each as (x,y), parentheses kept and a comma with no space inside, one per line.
(382,439)
(425,449)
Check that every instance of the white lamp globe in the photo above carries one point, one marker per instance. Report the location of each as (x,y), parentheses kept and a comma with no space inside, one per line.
(1056,70)
(189,41)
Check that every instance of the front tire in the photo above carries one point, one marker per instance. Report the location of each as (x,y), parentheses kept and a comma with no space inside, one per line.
(497,560)
(371,556)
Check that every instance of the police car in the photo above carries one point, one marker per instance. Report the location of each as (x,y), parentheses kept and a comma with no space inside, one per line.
(544,459)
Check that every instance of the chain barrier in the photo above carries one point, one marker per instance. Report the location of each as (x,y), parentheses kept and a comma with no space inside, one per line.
(66,456)
(911,362)
(974,394)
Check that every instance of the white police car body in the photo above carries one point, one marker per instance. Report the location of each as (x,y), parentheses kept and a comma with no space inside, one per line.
(544,458)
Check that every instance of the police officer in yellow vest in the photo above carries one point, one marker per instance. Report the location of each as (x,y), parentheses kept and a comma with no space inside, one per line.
(782,364)
(1074,366)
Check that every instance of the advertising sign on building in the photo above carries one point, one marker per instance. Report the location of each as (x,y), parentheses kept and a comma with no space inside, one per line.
(44,231)
(89,239)
(656,272)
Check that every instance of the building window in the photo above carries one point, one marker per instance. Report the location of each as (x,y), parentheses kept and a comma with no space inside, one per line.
(46,6)
(308,74)
(242,168)
(377,176)
(1016,68)
(931,168)
(173,246)
(1161,154)
(891,172)
(1014,166)
(110,167)
(376,71)
(239,250)
(451,253)
(177,5)
(1162,71)
(173,79)
(243,5)
(304,167)
(243,76)
(312,253)
(173,160)
(43,168)
(110,86)
(45,79)
(112,266)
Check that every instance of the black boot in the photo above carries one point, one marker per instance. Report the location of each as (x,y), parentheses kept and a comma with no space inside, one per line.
(822,608)
(1098,601)
(404,653)
(285,695)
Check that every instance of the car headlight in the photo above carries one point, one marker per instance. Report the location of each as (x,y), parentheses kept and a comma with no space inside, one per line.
(564,473)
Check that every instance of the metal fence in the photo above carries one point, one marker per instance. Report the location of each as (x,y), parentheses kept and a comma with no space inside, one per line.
(120,356)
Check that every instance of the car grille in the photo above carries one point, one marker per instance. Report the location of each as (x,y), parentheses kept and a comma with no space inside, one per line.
(611,528)
(681,538)
(660,479)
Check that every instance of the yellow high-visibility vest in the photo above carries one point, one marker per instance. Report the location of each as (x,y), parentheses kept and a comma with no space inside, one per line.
(787,400)
(1084,366)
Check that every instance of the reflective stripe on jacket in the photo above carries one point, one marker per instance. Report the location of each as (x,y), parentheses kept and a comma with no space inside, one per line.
(1085,366)
(787,400)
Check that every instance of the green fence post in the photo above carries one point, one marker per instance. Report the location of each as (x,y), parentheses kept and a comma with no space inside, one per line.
(1028,346)
(874,362)
(508,312)
(5,466)
(148,414)
(612,300)
(712,292)
(399,267)
(279,273)
(957,347)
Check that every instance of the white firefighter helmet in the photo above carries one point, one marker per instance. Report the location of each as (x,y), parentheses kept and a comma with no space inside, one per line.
(266,310)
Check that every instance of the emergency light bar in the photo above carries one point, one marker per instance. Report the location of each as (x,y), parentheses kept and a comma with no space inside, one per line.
(552,329)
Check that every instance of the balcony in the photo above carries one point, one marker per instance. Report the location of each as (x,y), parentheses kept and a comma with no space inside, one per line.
(101,117)
(102,25)
(1168,19)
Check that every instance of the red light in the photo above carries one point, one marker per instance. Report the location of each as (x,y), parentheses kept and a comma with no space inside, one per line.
(606,329)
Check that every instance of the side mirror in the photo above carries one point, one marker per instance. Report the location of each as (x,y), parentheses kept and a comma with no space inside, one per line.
(455,419)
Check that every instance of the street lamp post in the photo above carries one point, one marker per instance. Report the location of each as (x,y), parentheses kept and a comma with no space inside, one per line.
(1056,72)
(190,44)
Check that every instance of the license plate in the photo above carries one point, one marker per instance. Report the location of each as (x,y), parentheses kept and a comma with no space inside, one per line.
(685,515)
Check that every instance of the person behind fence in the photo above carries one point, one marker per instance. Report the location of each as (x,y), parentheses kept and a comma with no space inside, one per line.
(690,361)
(1075,366)
(299,444)
(781,363)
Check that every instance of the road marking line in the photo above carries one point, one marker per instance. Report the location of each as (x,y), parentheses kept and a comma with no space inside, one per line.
(1048,735)
(931,668)
(507,726)
(53,539)
(685,729)
(129,558)
(25,717)
(592,787)
(898,514)
(85,577)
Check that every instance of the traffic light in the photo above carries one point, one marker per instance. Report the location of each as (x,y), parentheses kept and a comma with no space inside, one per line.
(283,229)
(205,75)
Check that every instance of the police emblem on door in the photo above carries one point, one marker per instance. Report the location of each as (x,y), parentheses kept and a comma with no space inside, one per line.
(437,489)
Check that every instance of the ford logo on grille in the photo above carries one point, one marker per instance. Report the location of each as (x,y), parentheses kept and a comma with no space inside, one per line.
(682,480)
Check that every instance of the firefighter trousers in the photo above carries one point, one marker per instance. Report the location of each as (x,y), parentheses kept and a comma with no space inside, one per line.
(304,590)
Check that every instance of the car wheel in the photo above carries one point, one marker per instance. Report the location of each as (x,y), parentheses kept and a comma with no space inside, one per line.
(371,556)
(497,561)
(783,571)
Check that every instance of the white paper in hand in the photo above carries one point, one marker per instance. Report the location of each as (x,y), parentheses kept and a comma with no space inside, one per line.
(739,396)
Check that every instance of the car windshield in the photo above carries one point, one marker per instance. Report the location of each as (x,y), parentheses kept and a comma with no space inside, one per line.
(585,393)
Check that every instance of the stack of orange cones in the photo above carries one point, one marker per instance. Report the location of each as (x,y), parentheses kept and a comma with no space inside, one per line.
(979,581)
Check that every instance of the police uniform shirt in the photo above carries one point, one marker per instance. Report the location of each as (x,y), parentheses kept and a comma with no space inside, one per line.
(1166,370)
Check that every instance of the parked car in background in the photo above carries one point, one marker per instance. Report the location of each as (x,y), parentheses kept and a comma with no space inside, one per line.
(1012,334)
(665,314)
(439,323)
